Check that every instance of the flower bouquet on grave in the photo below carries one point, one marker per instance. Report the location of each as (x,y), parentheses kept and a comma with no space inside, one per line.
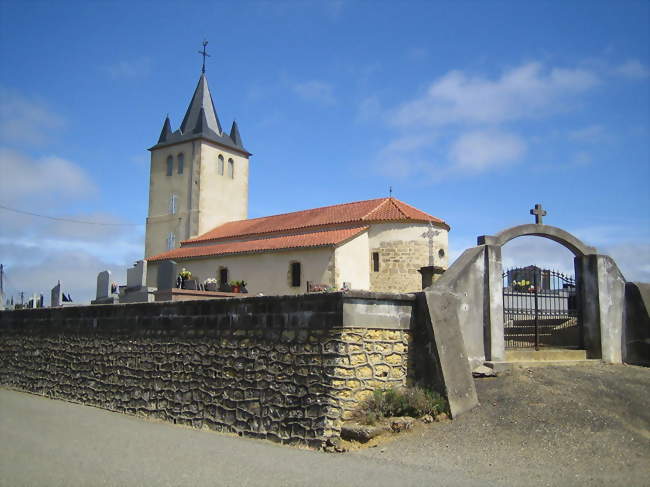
(184,276)
(210,284)
(523,286)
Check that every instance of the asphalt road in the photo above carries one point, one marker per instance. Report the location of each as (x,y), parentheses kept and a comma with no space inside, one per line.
(560,426)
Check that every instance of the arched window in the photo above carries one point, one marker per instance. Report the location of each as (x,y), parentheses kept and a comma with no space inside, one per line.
(170,165)
(171,241)
(295,274)
(173,204)
(181,163)
(231,169)
(220,165)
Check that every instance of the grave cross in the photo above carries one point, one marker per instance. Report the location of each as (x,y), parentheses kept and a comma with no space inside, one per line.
(539,212)
(204,54)
(430,233)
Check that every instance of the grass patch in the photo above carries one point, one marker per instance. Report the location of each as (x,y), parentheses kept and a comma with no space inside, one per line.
(404,401)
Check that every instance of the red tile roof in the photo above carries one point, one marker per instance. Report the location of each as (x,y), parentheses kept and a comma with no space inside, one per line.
(377,210)
(304,240)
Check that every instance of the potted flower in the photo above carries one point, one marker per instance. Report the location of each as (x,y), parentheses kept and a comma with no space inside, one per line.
(238,286)
(186,280)
(210,284)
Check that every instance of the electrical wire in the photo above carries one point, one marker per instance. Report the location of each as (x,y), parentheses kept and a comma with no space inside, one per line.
(85,222)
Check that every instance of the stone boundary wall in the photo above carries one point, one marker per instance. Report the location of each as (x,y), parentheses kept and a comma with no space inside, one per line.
(283,368)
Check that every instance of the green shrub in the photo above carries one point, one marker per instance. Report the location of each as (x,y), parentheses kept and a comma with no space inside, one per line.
(404,401)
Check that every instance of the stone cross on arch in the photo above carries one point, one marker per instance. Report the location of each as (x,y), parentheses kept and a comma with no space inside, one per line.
(429,234)
(539,213)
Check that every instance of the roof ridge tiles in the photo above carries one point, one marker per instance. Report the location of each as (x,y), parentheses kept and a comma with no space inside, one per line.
(377,209)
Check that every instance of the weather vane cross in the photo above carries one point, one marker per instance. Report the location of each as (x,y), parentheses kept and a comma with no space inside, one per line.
(539,213)
(429,234)
(204,54)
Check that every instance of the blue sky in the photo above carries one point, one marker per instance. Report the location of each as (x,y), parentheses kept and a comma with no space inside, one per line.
(471,111)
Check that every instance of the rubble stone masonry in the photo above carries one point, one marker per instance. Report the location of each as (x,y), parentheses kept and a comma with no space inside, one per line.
(399,262)
(287,368)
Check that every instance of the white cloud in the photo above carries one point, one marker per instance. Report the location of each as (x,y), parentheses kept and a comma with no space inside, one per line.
(76,270)
(633,259)
(26,120)
(479,151)
(541,252)
(527,91)
(467,116)
(39,251)
(315,90)
(53,178)
(129,69)
(632,69)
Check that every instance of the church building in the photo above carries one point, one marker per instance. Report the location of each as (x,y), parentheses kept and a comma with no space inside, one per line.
(198,217)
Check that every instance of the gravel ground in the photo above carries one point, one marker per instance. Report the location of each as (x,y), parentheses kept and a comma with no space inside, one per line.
(581,425)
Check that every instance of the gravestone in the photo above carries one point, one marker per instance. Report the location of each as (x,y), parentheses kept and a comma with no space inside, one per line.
(167,275)
(103,284)
(56,295)
(136,290)
(104,295)
(136,276)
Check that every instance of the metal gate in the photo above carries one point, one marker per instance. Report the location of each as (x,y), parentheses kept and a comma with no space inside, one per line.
(540,309)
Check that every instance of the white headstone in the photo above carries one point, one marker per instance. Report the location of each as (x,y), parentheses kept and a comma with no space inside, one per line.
(103,284)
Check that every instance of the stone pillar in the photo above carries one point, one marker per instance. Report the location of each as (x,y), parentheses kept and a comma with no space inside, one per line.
(429,274)
(493,326)
(602,298)
(587,284)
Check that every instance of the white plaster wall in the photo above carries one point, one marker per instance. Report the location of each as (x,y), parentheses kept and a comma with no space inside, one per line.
(161,187)
(266,273)
(221,199)
(395,232)
(352,263)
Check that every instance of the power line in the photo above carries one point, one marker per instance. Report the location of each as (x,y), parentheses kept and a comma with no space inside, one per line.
(15,210)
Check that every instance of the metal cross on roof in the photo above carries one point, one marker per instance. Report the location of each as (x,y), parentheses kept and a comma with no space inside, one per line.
(430,233)
(539,212)
(204,54)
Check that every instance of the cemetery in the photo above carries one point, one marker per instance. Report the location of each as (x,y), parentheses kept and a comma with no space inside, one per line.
(279,327)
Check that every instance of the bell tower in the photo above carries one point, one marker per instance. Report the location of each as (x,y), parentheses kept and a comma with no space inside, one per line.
(198,178)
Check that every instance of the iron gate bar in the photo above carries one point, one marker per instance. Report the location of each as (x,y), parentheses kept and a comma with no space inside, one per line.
(544,314)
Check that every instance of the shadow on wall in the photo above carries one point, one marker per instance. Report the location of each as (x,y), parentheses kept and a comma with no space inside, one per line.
(637,323)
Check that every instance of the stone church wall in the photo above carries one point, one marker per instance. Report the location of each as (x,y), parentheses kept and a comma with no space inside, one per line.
(402,251)
(288,369)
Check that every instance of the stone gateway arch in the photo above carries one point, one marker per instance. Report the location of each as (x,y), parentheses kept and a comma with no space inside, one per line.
(472,293)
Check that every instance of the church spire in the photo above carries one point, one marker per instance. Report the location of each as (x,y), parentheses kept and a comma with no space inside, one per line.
(234,134)
(166,130)
(201,102)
